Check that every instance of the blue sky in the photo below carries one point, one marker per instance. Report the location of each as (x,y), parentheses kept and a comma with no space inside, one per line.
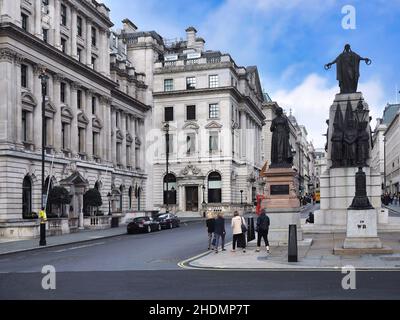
(289,41)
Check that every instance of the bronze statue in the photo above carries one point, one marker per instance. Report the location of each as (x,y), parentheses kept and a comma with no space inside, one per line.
(337,139)
(363,144)
(281,153)
(350,138)
(348,69)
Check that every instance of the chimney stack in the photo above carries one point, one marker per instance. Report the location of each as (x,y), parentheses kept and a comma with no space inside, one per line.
(129,26)
(191,33)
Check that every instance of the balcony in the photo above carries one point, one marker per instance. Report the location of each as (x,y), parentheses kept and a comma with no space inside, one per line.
(181,63)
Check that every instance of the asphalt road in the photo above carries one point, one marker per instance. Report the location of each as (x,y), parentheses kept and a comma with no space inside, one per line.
(145,267)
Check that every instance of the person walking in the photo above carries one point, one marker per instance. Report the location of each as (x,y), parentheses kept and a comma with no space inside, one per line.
(219,232)
(262,230)
(238,232)
(210,223)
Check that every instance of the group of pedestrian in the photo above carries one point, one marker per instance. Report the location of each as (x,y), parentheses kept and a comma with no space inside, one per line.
(216,231)
(389,198)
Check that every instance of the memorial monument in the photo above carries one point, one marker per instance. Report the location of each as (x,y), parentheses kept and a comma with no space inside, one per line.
(350,188)
(281,201)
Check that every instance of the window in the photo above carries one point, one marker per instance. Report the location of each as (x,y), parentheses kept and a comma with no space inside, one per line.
(130,191)
(168,85)
(93,105)
(94,62)
(63,15)
(128,155)
(169,189)
(63,134)
(117,119)
(79,53)
(81,140)
(64,45)
(191,83)
(24,76)
(213,81)
(79,26)
(62,92)
(24,21)
(190,112)
(119,145)
(190,143)
(169,114)
(94,36)
(27,198)
(213,142)
(121,198)
(213,111)
(95,143)
(45,35)
(79,99)
(24,126)
(214,188)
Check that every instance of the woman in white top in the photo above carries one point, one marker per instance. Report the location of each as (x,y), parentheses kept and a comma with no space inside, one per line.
(238,235)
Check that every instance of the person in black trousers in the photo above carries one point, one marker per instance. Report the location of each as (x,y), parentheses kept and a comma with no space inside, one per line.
(219,232)
(262,229)
(210,223)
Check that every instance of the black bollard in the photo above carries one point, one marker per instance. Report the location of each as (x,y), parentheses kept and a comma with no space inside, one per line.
(42,241)
(250,230)
(292,245)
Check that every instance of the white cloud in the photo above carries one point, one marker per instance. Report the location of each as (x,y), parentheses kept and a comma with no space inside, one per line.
(310,102)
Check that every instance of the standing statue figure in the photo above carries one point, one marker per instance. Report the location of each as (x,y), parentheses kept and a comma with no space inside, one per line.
(350,138)
(281,153)
(337,139)
(348,69)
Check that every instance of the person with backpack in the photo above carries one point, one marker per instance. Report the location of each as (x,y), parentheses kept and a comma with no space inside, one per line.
(210,223)
(239,229)
(262,230)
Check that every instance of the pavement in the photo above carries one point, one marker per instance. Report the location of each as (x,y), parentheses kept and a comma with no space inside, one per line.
(318,256)
(395,209)
(9,246)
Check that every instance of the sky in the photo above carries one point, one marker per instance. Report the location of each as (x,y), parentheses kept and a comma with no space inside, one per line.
(289,41)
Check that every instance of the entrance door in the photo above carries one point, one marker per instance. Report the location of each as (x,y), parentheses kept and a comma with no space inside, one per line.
(192,199)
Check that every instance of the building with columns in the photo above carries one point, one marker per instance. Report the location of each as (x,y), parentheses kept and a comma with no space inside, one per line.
(213,109)
(95,112)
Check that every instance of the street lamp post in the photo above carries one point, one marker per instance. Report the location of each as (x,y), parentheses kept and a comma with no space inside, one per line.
(43,78)
(241,196)
(166,127)
(203,204)
(109,203)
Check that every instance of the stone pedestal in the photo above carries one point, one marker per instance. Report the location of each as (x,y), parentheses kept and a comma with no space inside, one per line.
(337,184)
(282,204)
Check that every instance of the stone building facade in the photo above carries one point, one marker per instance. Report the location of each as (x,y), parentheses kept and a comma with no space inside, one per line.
(392,155)
(95,112)
(213,109)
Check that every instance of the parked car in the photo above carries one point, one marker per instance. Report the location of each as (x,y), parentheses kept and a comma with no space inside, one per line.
(168,220)
(143,224)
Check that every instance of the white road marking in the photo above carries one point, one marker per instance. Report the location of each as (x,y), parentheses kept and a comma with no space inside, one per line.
(79,247)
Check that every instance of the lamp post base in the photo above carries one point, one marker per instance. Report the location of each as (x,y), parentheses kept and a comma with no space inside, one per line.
(42,241)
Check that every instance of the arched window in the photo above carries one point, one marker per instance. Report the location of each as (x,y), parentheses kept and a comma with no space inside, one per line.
(97,186)
(214,188)
(130,196)
(121,198)
(27,198)
(169,187)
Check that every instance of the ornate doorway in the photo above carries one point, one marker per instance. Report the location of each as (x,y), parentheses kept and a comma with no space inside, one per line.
(192,198)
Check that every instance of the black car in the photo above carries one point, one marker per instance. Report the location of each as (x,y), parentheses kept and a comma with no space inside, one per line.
(143,224)
(168,220)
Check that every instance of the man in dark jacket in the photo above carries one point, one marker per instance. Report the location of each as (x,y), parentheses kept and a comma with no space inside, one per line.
(262,229)
(220,232)
(210,223)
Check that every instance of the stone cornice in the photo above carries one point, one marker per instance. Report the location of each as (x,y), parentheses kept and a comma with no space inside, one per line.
(129,100)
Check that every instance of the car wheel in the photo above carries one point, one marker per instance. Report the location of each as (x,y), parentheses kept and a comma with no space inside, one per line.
(148,229)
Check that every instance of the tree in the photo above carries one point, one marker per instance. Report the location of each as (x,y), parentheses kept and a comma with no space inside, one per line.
(92,199)
(59,196)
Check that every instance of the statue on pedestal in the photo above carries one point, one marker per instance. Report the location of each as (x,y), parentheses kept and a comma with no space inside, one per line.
(337,139)
(348,69)
(350,138)
(281,153)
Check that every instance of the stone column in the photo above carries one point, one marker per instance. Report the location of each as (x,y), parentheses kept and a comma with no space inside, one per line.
(113,138)
(89,129)
(57,116)
(57,17)
(18,112)
(88,42)
(37,113)
(74,123)
(107,55)
(38,19)
(74,33)
(133,148)
(123,146)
